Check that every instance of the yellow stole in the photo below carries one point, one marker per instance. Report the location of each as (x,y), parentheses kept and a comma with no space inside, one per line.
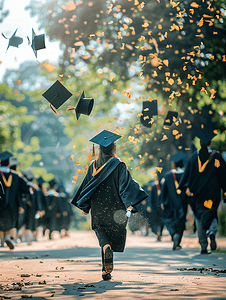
(95,171)
(8,182)
(202,167)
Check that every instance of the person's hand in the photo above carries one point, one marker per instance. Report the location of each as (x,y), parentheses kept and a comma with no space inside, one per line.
(188,192)
(129,208)
(128,211)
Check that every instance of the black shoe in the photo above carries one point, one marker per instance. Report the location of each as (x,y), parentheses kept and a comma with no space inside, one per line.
(106,277)
(108,260)
(213,244)
(204,251)
(176,241)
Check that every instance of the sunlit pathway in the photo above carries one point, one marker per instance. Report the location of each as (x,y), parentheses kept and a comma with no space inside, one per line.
(71,268)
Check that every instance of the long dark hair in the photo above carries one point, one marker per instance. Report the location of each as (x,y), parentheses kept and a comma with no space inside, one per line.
(104,156)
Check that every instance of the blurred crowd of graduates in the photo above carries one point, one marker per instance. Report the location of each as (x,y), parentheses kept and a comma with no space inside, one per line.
(27,207)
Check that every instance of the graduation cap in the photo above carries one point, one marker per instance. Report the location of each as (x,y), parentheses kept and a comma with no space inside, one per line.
(170,118)
(14,40)
(5,155)
(29,174)
(150,108)
(84,106)
(106,140)
(180,155)
(40,181)
(14,164)
(206,135)
(179,159)
(52,183)
(57,94)
(38,42)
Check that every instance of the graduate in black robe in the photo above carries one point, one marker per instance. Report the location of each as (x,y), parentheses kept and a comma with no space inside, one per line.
(13,186)
(108,191)
(55,210)
(155,218)
(174,203)
(203,179)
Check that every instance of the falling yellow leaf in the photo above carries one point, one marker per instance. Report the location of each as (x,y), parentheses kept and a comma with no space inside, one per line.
(79,43)
(217,163)
(175,132)
(18,81)
(48,66)
(166,62)
(208,203)
(165,137)
(194,4)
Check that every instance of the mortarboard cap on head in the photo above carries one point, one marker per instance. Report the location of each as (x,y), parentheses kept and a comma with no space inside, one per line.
(52,183)
(40,181)
(14,163)
(14,40)
(170,118)
(29,174)
(180,155)
(38,42)
(57,94)
(5,155)
(84,106)
(206,135)
(150,108)
(105,138)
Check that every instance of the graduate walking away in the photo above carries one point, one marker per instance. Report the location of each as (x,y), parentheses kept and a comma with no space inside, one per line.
(108,191)
(202,180)
(174,203)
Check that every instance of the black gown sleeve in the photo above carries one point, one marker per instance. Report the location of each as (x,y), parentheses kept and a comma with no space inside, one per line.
(130,191)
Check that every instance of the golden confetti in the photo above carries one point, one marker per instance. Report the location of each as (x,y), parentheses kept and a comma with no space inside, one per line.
(217,163)
(48,66)
(165,137)
(208,203)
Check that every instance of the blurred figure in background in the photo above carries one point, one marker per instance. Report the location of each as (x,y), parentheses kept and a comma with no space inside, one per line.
(203,179)
(174,202)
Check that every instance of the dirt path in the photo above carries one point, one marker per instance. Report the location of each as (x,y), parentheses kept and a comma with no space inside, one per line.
(70,268)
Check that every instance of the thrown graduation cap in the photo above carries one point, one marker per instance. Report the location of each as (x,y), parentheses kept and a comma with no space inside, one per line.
(84,106)
(14,40)
(57,94)
(170,118)
(180,155)
(38,42)
(5,155)
(206,135)
(150,108)
(105,138)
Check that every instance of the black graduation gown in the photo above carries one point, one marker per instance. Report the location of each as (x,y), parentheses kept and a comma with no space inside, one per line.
(34,204)
(175,205)
(108,194)
(205,186)
(155,216)
(54,211)
(10,200)
(64,211)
